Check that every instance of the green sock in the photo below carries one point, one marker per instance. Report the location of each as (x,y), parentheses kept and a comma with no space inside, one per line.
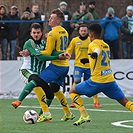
(49,101)
(27,89)
(40,112)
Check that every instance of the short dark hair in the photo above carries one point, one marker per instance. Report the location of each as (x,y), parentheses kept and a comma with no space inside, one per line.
(82,25)
(59,13)
(96,28)
(36,26)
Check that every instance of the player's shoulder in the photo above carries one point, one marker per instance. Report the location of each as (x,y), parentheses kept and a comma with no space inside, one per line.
(27,43)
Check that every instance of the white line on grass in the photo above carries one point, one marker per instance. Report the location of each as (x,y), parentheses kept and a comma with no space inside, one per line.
(120,123)
(97,110)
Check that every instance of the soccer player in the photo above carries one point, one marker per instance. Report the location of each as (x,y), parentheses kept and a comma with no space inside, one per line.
(56,71)
(101,80)
(34,64)
(80,47)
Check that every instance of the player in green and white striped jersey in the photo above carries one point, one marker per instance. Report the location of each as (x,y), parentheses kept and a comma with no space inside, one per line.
(34,64)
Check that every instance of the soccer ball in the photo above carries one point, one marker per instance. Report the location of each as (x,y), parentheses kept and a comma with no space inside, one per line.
(30,117)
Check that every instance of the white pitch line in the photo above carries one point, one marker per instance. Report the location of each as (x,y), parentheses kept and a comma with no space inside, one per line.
(97,110)
(120,123)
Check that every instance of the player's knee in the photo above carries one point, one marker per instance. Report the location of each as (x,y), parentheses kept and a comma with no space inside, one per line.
(55,87)
(46,88)
(33,77)
(77,80)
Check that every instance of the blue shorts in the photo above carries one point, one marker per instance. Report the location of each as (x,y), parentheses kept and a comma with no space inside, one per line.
(54,74)
(78,72)
(90,88)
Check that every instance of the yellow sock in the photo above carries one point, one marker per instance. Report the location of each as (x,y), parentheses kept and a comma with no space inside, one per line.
(129,105)
(41,98)
(95,98)
(62,100)
(78,102)
(73,85)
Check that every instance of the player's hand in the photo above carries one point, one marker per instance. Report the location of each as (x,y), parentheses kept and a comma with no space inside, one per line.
(93,55)
(84,60)
(68,56)
(62,56)
(24,53)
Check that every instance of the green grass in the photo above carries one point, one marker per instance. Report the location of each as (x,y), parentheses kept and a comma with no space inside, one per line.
(11,119)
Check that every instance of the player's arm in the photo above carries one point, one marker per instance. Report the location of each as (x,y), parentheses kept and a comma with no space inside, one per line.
(71,47)
(55,56)
(50,45)
(94,54)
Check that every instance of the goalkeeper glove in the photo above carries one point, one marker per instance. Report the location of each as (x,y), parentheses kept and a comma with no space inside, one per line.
(84,60)
(93,55)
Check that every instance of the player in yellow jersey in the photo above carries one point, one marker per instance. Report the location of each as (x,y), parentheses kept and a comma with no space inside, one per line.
(101,80)
(80,47)
(57,70)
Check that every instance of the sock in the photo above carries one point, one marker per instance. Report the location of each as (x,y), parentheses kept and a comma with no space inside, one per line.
(41,99)
(129,105)
(49,101)
(62,100)
(27,89)
(40,112)
(73,85)
(78,102)
(95,98)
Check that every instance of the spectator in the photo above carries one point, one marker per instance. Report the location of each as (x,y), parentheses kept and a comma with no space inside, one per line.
(13,31)
(4,28)
(111,25)
(91,8)
(24,27)
(67,16)
(81,15)
(35,11)
(127,33)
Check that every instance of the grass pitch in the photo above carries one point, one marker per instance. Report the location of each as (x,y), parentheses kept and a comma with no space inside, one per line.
(11,119)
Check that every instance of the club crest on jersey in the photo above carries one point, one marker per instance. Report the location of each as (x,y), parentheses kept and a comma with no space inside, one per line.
(79,43)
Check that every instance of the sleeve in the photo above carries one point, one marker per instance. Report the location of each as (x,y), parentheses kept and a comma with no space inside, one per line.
(32,50)
(54,53)
(117,22)
(124,28)
(50,44)
(103,22)
(47,58)
(70,47)
(93,47)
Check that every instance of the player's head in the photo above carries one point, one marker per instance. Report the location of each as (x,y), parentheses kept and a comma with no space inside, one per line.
(56,17)
(83,30)
(36,31)
(95,31)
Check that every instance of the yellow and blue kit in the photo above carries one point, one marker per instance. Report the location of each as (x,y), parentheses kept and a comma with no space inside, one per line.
(102,79)
(58,69)
(80,49)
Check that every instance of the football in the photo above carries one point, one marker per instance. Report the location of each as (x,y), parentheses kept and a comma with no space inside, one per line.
(30,117)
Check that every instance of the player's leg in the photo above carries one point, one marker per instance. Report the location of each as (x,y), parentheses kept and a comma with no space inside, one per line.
(49,94)
(95,97)
(87,88)
(96,102)
(63,102)
(77,74)
(76,99)
(113,91)
(24,74)
(42,100)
